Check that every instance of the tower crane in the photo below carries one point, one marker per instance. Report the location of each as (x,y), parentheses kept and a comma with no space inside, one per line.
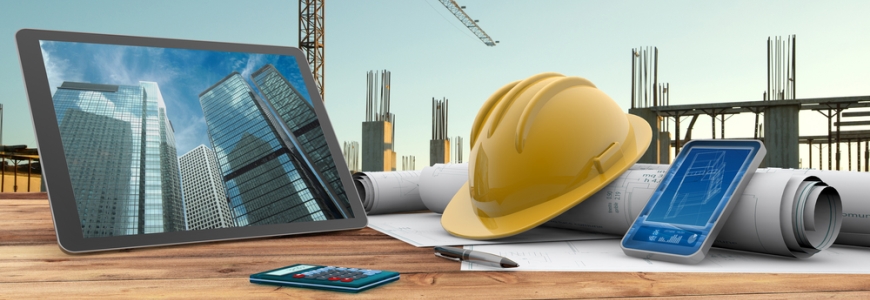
(467,21)
(311,25)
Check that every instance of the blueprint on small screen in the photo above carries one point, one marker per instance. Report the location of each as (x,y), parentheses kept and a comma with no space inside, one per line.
(699,186)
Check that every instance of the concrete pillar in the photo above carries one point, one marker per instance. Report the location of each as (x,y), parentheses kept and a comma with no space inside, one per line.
(652,153)
(781,136)
(377,147)
(439,152)
(664,147)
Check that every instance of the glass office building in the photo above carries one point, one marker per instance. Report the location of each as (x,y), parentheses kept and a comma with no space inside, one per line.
(120,152)
(301,121)
(266,178)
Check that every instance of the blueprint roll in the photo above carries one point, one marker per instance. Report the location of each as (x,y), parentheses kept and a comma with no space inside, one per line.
(780,213)
(440,182)
(393,192)
(613,209)
(853,189)
(784,214)
(853,192)
(389,192)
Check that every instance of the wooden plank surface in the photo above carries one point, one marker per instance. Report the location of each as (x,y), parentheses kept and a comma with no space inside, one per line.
(33,266)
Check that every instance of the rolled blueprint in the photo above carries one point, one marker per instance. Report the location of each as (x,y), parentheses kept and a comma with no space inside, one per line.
(853,189)
(614,208)
(779,213)
(440,182)
(389,192)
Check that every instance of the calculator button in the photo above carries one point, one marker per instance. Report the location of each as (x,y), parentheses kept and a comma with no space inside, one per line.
(321,277)
(353,269)
(334,278)
(299,276)
(346,279)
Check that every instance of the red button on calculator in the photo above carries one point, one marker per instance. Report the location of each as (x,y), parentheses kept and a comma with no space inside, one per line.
(299,276)
(346,279)
(333,278)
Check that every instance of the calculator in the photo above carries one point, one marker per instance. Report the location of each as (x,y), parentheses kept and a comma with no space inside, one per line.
(331,278)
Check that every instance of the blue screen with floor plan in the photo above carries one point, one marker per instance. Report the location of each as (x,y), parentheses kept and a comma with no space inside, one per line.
(699,186)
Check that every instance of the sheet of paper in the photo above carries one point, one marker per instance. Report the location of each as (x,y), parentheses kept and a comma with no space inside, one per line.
(424,230)
(607,256)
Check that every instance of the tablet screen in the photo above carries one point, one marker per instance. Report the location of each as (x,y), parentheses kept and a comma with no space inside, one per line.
(166,139)
(702,182)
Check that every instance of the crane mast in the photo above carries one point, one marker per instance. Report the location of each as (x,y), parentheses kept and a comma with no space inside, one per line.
(311,38)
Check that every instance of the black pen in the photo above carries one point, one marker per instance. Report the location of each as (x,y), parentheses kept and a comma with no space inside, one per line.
(477,257)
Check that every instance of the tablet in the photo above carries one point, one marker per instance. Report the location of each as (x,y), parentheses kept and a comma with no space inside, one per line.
(149,141)
(691,205)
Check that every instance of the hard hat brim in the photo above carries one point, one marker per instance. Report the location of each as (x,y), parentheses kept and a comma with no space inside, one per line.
(461,219)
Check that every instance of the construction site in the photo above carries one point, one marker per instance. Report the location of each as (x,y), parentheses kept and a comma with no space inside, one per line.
(776,112)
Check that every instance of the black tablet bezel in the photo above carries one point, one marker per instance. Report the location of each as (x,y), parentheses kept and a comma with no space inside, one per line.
(56,174)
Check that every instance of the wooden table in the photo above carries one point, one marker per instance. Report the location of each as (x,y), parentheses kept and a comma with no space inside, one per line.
(32,266)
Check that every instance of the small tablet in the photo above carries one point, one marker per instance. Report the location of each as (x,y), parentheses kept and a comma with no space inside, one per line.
(149,141)
(685,213)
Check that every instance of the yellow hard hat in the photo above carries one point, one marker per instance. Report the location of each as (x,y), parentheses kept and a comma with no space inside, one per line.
(538,147)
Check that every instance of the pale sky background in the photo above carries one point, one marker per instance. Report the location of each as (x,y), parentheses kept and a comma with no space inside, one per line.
(708,51)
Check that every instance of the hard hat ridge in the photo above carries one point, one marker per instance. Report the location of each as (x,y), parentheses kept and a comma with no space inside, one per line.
(511,96)
(541,98)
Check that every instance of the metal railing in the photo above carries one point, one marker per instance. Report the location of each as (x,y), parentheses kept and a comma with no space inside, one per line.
(12,159)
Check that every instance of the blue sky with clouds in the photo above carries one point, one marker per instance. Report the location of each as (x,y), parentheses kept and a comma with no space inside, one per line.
(181,74)
(709,51)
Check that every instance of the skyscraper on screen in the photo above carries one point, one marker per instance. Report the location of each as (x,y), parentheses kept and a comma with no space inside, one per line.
(120,152)
(267,178)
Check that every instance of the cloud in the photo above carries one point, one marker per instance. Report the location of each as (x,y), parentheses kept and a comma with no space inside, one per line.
(255,61)
(123,65)
(56,67)
(189,133)
(112,66)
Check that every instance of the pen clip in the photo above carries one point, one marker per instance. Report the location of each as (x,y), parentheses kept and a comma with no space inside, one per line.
(447,256)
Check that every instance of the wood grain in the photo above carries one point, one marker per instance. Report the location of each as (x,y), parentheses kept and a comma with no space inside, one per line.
(33,266)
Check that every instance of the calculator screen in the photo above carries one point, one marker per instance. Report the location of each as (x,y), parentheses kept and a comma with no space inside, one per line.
(289,270)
